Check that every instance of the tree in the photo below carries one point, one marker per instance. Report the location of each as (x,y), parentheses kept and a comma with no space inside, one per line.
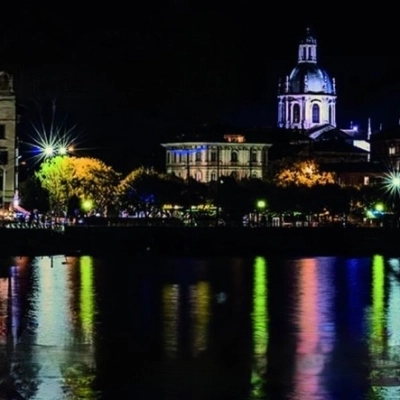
(302,173)
(33,195)
(146,190)
(85,178)
(56,176)
(95,181)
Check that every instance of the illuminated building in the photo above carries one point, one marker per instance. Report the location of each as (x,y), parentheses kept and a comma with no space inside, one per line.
(8,156)
(206,161)
(307,97)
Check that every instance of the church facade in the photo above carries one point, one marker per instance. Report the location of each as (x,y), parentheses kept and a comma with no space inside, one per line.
(307,97)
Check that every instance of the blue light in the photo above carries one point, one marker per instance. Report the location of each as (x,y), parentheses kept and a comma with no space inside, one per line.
(190,151)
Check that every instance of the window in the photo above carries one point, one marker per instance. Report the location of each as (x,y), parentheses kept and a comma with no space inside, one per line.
(366,180)
(168,157)
(2,131)
(213,156)
(234,156)
(315,114)
(198,156)
(253,156)
(198,176)
(234,175)
(213,176)
(331,114)
(174,157)
(3,157)
(392,150)
(180,157)
(296,113)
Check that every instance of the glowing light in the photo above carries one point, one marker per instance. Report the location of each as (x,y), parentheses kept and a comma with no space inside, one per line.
(87,205)
(171,318)
(391,182)
(86,298)
(261,204)
(201,315)
(48,150)
(62,150)
(51,135)
(260,320)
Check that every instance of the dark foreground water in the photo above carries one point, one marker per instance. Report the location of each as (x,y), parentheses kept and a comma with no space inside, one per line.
(258,328)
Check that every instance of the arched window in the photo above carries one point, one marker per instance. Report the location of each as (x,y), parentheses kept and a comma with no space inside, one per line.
(296,113)
(198,176)
(315,114)
(213,176)
(234,156)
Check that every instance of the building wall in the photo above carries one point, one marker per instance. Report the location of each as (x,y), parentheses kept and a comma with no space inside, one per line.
(386,151)
(8,154)
(303,119)
(207,162)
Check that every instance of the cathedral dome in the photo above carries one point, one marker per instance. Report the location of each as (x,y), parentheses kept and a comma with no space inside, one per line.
(309,78)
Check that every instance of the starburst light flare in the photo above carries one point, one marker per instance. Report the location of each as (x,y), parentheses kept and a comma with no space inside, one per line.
(391,182)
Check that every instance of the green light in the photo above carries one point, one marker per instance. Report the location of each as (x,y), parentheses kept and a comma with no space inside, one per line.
(261,204)
(377,316)
(379,207)
(86,297)
(260,326)
(87,205)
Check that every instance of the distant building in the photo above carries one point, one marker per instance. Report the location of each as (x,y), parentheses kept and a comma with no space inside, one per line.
(209,160)
(307,97)
(385,147)
(8,148)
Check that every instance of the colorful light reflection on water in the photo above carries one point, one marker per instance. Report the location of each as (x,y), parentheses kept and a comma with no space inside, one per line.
(320,328)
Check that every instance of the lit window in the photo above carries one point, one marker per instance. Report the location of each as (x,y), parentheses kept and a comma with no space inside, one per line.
(315,114)
(366,180)
(296,113)
(392,150)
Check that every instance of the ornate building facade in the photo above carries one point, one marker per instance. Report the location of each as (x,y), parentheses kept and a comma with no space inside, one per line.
(8,148)
(307,97)
(208,161)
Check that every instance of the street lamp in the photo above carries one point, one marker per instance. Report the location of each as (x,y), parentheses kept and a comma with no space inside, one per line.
(260,207)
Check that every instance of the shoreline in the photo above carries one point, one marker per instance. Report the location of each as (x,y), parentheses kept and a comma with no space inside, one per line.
(197,241)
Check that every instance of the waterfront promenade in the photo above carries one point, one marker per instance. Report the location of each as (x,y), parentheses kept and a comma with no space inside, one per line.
(199,240)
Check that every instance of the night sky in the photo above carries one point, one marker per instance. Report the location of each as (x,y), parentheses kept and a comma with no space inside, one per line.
(129,74)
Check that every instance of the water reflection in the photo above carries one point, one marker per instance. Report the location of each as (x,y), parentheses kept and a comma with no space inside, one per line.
(260,328)
(171,318)
(316,331)
(49,362)
(383,321)
(201,303)
(255,328)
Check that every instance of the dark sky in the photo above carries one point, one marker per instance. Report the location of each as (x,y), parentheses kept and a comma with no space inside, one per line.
(127,74)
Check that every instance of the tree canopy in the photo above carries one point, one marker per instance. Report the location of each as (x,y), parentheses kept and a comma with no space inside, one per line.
(302,173)
(85,178)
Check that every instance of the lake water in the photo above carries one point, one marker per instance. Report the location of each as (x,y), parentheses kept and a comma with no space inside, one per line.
(191,328)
